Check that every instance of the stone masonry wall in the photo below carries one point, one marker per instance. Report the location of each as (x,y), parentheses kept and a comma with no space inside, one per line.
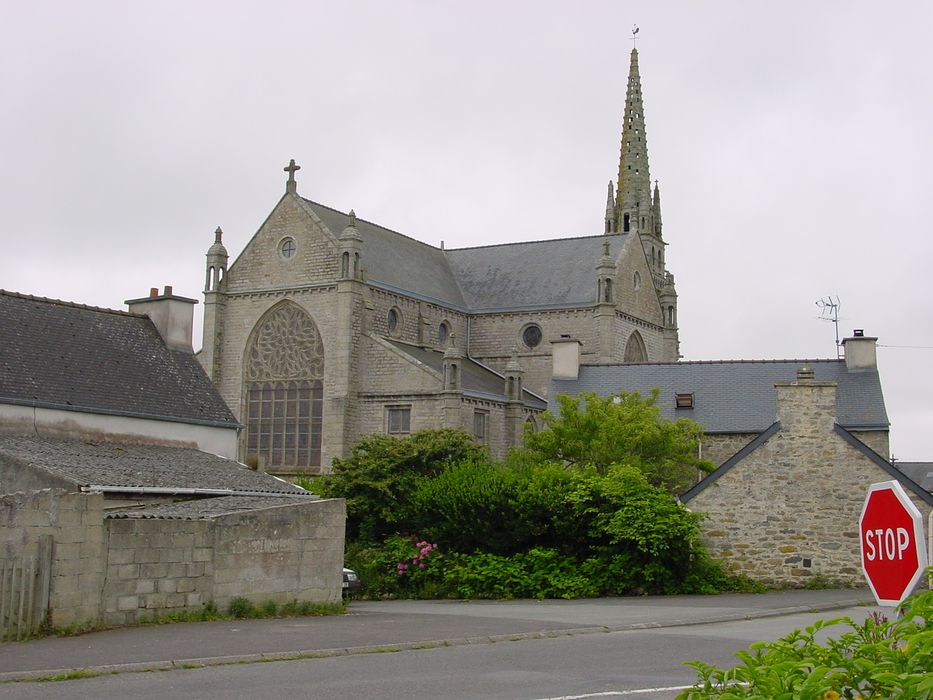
(75,523)
(790,509)
(718,447)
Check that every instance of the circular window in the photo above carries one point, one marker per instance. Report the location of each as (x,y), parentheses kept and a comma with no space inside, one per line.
(531,336)
(287,248)
(393,321)
(443,333)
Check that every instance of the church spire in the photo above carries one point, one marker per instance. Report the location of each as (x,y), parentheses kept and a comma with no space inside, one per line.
(610,210)
(656,209)
(633,193)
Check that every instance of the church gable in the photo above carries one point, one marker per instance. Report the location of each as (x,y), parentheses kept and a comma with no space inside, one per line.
(391,371)
(635,291)
(292,248)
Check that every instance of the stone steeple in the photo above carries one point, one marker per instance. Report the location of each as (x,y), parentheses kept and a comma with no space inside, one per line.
(633,192)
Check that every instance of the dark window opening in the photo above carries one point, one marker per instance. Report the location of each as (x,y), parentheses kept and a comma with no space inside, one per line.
(683,400)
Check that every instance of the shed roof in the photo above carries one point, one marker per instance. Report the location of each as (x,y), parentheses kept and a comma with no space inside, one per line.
(733,396)
(57,354)
(204,508)
(116,467)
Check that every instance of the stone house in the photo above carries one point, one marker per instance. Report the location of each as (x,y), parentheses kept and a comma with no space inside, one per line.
(797,442)
(328,327)
(118,474)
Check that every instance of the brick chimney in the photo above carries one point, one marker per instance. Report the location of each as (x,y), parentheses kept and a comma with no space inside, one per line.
(173,316)
(860,351)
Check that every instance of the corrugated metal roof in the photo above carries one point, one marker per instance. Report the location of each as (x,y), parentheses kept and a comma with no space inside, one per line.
(733,396)
(138,466)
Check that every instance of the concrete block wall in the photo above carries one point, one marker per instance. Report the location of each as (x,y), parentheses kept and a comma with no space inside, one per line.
(280,553)
(285,552)
(156,565)
(75,523)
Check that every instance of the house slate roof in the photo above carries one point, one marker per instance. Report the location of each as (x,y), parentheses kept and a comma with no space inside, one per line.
(56,354)
(486,278)
(117,466)
(733,396)
(475,377)
(204,508)
(921,472)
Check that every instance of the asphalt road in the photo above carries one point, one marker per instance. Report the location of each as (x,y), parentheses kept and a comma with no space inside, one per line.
(610,664)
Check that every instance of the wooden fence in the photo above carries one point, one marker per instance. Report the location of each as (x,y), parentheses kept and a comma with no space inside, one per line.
(24,592)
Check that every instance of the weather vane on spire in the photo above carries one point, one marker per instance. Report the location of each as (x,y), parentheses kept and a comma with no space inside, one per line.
(634,34)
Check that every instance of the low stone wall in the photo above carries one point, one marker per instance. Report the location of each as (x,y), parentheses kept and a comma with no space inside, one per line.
(283,552)
(119,569)
(75,523)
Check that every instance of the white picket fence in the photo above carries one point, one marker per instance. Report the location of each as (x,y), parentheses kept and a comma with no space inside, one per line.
(24,592)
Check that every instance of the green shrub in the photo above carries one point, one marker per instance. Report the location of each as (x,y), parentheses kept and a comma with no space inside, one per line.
(241,608)
(875,659)
(383,472)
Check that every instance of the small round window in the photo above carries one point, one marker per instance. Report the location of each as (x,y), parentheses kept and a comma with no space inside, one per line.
(287,248)
(443,333)
(531,336)
(393,321)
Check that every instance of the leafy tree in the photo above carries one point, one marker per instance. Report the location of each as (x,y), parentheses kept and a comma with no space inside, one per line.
(624,429)
(383,471)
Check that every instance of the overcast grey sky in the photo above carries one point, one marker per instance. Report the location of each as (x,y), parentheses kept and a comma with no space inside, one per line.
(792,142)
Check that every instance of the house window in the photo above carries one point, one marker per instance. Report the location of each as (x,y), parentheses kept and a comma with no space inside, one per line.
(683,400)
(398,420)
(284,390)
(480,425)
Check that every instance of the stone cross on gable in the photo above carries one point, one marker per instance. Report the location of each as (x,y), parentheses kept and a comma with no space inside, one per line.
(291,169)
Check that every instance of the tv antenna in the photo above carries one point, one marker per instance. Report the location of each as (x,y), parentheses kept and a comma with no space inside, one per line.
(829,311)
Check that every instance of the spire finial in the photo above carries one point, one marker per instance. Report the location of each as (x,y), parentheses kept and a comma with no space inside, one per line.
(218,234)
(634,35)
(291,169)
(352,221)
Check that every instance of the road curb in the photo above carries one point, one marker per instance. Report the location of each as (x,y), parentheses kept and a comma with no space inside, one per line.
(261,657)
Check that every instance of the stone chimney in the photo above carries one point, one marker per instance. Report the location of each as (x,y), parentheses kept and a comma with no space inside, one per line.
(565,356)
(173,316)
(806,406)
(860,351)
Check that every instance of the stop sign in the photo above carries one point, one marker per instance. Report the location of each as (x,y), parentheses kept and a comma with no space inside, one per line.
(893,552)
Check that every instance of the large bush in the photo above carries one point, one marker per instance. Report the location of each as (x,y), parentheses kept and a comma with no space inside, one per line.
(379,477)
(628,429)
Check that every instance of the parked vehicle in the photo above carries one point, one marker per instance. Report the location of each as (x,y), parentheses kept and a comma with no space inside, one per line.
(351,582)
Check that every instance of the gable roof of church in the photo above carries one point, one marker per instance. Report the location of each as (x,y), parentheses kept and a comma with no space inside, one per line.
(117,467)
(476,379)
(56,354)
(733,396)
(488,278)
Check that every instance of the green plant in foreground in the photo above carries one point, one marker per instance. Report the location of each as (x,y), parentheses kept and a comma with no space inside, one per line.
(878,658)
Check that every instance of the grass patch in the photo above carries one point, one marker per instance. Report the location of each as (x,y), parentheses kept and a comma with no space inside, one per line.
(77,674)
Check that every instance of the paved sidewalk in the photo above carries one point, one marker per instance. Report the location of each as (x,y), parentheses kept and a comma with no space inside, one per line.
(372,626)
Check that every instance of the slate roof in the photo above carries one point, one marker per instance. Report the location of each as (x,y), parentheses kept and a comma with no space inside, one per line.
(733,396)
(204,508)
(475,378)
(57,354)
(921,472)
(117,466)
(487,278)
(522,275)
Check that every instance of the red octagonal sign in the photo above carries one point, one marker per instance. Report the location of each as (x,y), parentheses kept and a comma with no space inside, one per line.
(893,552)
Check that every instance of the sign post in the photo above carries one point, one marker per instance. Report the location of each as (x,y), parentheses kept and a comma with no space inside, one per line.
(892,543)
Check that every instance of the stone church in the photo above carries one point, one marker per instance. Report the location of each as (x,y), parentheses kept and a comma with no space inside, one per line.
(328,327)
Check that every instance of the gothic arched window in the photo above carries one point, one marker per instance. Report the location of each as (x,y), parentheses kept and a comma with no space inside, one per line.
(635,349)
(284,372)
